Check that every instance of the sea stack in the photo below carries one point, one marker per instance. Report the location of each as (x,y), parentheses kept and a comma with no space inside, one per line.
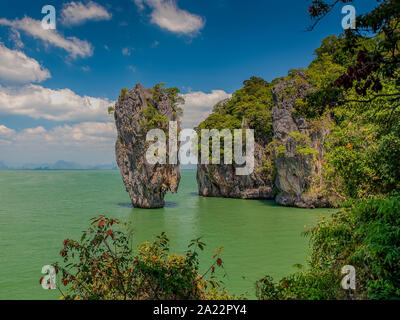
(136,112)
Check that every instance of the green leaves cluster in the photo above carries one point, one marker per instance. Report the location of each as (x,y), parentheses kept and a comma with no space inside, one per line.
(176,100)
(124,91)
(252,103)
(151,118)
(363,146)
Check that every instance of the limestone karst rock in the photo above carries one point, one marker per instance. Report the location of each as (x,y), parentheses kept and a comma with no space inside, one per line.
(288,164)
(222,180)
(299,176)
(146,183)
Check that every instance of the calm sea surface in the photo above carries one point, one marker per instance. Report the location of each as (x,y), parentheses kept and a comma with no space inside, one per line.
(38,209)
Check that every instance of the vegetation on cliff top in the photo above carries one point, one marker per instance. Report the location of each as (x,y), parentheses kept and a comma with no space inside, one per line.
(151,116)
(252,103)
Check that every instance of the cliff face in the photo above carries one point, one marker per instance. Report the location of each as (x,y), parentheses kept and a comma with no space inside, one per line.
(295,176)
(146,183)
(222,181)
(299,176)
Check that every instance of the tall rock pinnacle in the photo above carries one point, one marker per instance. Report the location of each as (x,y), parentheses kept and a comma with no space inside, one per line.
(136,112)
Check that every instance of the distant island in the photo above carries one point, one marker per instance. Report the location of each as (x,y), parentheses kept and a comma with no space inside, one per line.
(69,165)
(59,165)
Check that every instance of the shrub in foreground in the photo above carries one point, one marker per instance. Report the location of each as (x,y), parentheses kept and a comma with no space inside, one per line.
(104,266)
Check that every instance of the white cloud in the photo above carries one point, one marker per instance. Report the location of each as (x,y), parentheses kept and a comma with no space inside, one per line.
(76,13)
(16,67)
(198,106)
(74,46)
(167,15)
(58,105)
(87,142)
(83,134)
(6,132)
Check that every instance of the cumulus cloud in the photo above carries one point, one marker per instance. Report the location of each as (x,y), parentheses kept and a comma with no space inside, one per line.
(76,13)
(74,46)
(167,15)
(5,135)
(16,67)
(6,132)
(198,106)
(84,134)
(58,105)
(86,141)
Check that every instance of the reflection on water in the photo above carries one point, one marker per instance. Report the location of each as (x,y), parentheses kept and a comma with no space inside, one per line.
(125,204)
(168,204)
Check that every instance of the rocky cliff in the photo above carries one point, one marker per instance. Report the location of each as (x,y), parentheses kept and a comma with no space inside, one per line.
(295,176)
(135,111)
(222,181)
(300,145)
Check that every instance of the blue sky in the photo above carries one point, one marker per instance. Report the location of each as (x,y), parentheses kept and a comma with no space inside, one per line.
(55,85)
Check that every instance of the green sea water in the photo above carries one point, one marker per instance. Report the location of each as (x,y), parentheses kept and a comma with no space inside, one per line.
(38,209)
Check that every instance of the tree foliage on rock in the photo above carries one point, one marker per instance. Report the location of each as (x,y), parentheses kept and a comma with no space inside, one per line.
(252,103)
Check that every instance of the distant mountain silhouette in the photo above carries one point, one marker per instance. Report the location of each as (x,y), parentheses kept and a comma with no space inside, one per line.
(59,165)
(3,166)
(69,165)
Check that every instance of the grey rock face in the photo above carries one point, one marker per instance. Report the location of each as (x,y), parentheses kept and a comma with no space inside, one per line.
(146,183)
(299,174)
(222,181)
(298,170)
